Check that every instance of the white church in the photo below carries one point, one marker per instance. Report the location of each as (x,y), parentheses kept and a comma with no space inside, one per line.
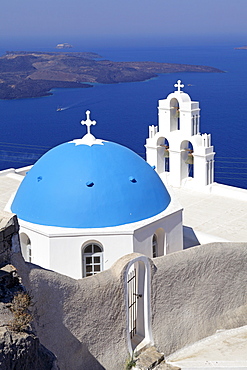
(88,202)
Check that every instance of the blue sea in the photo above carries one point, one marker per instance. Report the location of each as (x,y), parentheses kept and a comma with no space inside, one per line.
(30,127)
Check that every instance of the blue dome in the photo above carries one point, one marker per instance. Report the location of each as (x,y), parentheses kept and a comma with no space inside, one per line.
(82,186)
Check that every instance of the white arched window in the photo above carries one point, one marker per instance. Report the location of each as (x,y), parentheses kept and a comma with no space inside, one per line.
(155,246)
(26,247)
(92,259)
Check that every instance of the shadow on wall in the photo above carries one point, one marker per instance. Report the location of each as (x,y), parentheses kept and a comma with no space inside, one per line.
(189,238)
(78,354)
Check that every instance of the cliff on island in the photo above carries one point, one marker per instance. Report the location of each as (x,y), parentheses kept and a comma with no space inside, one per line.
(33,74)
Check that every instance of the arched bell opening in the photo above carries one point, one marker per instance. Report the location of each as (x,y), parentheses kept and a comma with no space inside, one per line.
(174,115)
(187,159)
(163,156)
(26,247)
(138,304)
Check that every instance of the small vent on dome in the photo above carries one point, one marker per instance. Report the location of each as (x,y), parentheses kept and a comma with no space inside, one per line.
(132,179)
(90,184)
(39,178)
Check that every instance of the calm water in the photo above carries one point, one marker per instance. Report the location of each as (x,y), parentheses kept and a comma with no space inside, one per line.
(123,112)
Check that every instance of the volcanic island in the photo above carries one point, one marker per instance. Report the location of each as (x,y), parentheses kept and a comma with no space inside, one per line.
(33,74)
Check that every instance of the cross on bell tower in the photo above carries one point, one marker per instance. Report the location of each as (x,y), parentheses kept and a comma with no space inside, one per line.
(179,85)
(88,122)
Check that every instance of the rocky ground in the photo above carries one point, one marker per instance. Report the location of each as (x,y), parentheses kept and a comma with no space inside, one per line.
(20,348)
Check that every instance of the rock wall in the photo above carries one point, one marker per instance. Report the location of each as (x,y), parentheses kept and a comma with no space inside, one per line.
(83,322)
(194,293)
(197,292)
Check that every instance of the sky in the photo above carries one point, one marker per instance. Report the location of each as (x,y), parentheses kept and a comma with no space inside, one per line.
(116,19)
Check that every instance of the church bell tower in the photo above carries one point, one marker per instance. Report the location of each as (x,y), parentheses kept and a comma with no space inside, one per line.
(182,156)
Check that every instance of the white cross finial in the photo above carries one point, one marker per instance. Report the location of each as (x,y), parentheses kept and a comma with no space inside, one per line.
(88,122)
(179,85)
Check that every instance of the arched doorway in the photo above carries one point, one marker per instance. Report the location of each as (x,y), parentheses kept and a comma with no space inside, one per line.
(138,304)
(92,259)
(26,247)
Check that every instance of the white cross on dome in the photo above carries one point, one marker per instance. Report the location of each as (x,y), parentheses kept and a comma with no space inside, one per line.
(88,139)
(88,122)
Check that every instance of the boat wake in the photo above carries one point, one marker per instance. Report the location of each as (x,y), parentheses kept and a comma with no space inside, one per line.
(85,105)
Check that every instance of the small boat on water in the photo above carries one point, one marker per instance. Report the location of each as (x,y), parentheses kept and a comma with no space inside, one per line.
(59,109)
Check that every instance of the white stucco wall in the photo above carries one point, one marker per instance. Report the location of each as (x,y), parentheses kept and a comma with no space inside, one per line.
(40,247)
(60,249)
(171,240)
(66,252)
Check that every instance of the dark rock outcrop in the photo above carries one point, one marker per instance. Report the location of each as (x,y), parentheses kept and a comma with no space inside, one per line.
(23,351)
(8,229)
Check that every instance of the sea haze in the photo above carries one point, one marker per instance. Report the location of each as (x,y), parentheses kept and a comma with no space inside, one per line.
(124,111)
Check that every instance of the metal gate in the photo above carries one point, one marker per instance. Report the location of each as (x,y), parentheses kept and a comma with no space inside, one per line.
(137,290)
(133,297)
